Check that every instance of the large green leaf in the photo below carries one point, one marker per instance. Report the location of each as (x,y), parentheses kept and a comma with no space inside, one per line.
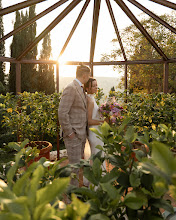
(163,157)
(135,200)
(87,192)
(34,185)
(130,135)
(97,169)
(49,192)
(134,179)
(19,206)
(161,203)
(111,191)
(5,192)
(10,216)
(13,169)
(123,125)
(14,146)
(105,129)
(47,213)
(80,207)
(88,173)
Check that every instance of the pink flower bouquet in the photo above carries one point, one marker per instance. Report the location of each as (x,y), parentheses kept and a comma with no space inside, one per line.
(112,111)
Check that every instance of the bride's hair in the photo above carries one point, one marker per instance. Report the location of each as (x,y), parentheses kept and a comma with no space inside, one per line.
(89,83)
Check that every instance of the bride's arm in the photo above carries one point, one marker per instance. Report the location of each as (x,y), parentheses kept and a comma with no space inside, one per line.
(90,106)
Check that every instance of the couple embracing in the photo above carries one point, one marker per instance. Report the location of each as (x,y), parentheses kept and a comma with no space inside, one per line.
(77,112)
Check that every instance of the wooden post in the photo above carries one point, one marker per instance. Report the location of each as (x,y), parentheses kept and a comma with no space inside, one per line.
(91,67)
(57,89)
(125,83)
(18,91)
(57,77)
(165,77)
(18,78)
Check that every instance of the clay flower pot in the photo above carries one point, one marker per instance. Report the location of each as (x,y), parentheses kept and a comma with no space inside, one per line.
(44,147)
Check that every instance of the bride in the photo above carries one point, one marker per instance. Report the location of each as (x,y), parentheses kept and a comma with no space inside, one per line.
(94,119)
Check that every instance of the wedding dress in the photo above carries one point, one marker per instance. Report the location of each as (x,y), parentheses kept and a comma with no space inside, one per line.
(92,137)
(93,140)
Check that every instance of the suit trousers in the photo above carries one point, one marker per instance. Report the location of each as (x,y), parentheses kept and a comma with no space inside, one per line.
(75,150)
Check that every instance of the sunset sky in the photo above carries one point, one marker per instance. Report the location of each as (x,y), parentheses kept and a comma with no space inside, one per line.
(79,47)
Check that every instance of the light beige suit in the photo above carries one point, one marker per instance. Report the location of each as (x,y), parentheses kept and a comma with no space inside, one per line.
(73,118)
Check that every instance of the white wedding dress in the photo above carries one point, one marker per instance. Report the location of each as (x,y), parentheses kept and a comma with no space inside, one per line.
(93,140)
(92,137)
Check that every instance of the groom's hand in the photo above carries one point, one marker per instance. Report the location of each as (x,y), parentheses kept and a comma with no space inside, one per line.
(72,135)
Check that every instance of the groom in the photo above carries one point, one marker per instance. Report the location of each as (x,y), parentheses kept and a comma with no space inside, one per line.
(73,117)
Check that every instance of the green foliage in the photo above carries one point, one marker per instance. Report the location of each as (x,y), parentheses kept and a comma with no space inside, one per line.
(147,111)
(28,71)
(45,79)
(34,192)
(2,53)
(99,96)
(33,115)
(127,189)
(147,77)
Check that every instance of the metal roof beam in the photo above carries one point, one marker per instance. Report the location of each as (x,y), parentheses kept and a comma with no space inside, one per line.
(165,3)
(116,28)
(74,27)
(70,7)
(94,28)
(140,27)
(31,21)
(19,6)
(151,14)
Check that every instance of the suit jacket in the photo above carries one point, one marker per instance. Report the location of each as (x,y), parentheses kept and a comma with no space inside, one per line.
(73,110)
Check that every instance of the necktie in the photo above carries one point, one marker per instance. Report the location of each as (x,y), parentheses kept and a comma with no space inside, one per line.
(83,90)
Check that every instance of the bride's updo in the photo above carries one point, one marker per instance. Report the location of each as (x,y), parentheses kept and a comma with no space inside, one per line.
(88,85)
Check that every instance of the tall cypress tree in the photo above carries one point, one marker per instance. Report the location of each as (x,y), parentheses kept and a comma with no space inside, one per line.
(2,50)
(28,71)
(15,51)
(19,43)
(46,71)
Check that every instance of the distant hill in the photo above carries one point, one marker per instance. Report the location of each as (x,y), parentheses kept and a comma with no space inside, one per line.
(106,83)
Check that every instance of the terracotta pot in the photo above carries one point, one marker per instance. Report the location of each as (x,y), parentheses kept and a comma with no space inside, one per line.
(44,152)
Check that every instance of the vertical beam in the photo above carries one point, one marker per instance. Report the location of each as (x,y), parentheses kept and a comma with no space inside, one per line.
(18,78)
(18,91)
(57,77)
(126,83)
(91,68)
(94,29)
(165,77)
(126,71)
(57,89)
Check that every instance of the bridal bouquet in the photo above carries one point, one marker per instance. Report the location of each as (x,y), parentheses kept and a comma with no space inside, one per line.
(112,111)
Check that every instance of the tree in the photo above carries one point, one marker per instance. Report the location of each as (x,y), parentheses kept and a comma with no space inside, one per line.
(46,71)
(15,49)
(2,53)
(148,78)
(28,71)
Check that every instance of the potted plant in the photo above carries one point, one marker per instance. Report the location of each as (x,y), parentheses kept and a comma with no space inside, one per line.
(34,118)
